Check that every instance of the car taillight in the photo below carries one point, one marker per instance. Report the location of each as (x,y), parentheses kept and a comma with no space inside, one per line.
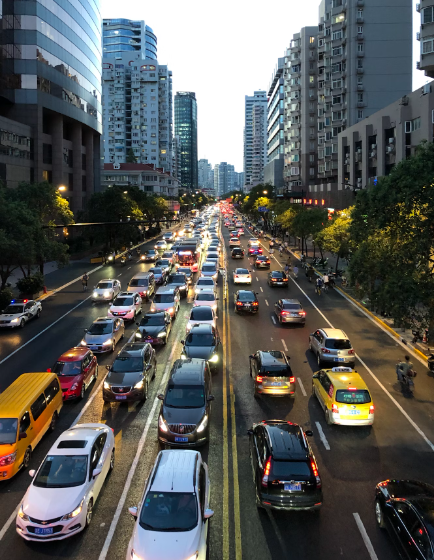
(335,408)
(292,379)
(371,409)
(236,276)
(266,472)
(259,379)
(325,350)
(255,303)
(316,473)
(239,303)
(284,313)
(351,351)
(302,313)
(274,280)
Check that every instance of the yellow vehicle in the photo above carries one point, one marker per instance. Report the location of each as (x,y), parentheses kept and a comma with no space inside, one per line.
(28,409)
(344,397)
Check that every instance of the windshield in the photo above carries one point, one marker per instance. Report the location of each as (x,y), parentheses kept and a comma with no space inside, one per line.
(185,396)
(200,314)
(168,254)
(8,430)
(185,271)
(241,271)
(62,471)
(164,263)
(204,297)
(67,368)
(150,252)
(164,298)
(104,286)
(157,271)
(290,470)
(200,340)
(150,321)
(137,282)
(14,309)
(169,511)
(205,282)
(246,296)
(101,328)
(277,274)
(176,278)
(127,363)
(123,301)
(208,268)
(353,397)
(338,343)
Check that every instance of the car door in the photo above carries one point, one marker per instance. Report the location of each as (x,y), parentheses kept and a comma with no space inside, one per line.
(147,363)
(29,310)
(406,523)
(97,461)
(24,428)
(168,321)
(323,389)
(256,451)
(315,341)
(40,419)
(117,330)
(253,366)
(87,369)
(137,302)
(203,505)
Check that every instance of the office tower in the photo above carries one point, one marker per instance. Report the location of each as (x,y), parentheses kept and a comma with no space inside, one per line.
(176,157)
(186,129)
(204,167)
(125,35)
(273,172)
(216,179)
(255,137)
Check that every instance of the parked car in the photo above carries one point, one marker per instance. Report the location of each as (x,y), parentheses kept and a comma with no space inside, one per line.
(19,312)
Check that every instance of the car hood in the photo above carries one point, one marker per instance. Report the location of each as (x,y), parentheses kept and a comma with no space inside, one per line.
(49,503)
(121,309)
(202,352)
(67,381)
(183,415)
(10,315)
(125,378)
(152,331)
(97,338)
(101,291)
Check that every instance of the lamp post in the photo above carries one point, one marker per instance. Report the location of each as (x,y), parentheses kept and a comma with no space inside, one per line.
(62,188)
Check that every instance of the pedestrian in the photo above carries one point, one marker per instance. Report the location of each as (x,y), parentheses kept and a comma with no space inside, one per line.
(295,271)
(402,368)
(84,280)
(310,273)
(287,269)
(326,281)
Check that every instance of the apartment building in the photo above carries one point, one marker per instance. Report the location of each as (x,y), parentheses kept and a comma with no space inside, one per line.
(255,138)
(204,174)
(364,64)
(273,171)
(426,37)
(126,35)
(151,179)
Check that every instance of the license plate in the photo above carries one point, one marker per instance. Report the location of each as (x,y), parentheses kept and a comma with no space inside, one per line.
(43,530)
(93,347)
(292,487)
(279,283)
(339,359)
(121,397)
(275,383)
(353,412)
(181,439)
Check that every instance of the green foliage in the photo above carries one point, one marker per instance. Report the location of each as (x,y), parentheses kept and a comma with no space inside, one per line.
(131,157)
(309,221)
(6,296)
(31,284)
(335,237)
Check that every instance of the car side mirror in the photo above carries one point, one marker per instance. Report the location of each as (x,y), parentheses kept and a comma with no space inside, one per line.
(288,357)
(85,330)
(32,472)
(208,514)
(315,376)
(309,433)
(133,511)
(210,398)
(160,397)
(96,472)
(22,435)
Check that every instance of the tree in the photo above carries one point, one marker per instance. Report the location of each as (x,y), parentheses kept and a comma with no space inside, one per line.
(131,156)
(335,238)
(308,222)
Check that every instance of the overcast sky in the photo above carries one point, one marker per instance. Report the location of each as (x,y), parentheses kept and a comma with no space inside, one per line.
(223,50)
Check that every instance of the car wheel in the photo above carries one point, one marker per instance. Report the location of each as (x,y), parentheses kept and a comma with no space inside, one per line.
(123,334)
(53,422)
(89,513)
(26,458)
(22,323)
(83,390)
(155,372)
(38,314)
(112,461)
(328,419)
(318,360)
(113,347)
(379,516)
(95,375)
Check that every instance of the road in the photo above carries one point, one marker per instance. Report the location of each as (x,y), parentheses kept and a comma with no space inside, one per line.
(351,460)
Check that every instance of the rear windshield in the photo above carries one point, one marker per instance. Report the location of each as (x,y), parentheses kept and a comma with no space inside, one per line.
(156,270)
(360,396)
(138,282)
(152,321)
(278,274)
(208,268)
(201,314)
(246,296)
(185,271)
(163,262)
(164,298)
(176,278)
(241,271)
(200,340)
(292,306)
(291,470)
(338,343)
(276,371)
(205,282)
(67,368)
(205,297)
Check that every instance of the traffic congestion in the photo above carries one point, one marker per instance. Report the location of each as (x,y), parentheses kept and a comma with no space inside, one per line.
(203,402)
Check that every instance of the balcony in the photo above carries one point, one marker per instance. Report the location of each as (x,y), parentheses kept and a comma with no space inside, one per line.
(360,71)
(361,104)
(360,3)
(360,87)
(360,36)
(360,19)
(360,54)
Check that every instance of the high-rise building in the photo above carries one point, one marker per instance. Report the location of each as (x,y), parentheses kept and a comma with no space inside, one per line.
(301,111)
(426,37)
(121,35)
(204,168)
(216,179)
(255,137)
(273,172)
(238,181)
(176,157)
(50,104)
(224,178)
(364,64)
(186,129)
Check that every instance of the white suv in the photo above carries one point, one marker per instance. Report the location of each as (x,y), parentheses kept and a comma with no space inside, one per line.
(172,517)
(127,305)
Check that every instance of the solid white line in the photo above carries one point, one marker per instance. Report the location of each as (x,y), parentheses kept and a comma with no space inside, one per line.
(273,319)
(120,274)
(52,292)
(9,521)
(322,436)
(260,287)
(42,332)
(133,467)
(284,345)
(303,390)
(365,537)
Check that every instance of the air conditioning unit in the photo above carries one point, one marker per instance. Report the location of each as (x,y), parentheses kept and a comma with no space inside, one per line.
(116,166)
(426,89)
(373,146)
(373,153)
(389,149)
(391,140)
(417,7)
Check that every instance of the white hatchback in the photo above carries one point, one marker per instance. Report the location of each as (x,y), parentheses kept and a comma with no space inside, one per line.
(253,241)
(172,516)
(204,283)
(206,297)
(127,305)
(60,500)
(242,276)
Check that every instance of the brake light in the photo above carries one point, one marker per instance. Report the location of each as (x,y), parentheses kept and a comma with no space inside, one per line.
(302,313)
(371,409)
(266,472)
(292,379)
(325,350)
(316,474)
(25,300)
(255,303)
(236,276)
(284,313)
(351,351)
(335,409)
(259,379)
(239,303)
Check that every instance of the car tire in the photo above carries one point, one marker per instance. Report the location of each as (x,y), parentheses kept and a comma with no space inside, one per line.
(26,458)
(53,422)
(280,320)
(318,360)
(112,461)
(146,391)
(113,347)
(22,323)
(38,314)
(379,516)
(327,417)
(89,513)
(155,372)
(83,391)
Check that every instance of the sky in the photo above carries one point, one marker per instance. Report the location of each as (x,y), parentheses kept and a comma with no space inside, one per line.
(223,51)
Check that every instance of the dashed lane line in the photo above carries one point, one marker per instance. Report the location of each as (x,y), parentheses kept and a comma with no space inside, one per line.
(273,319)
(365,537)
(303,390)
(284,345)
(260,287)
(322,436)
(266,302)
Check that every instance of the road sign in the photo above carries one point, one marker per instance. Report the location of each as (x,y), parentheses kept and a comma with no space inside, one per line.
(262,209)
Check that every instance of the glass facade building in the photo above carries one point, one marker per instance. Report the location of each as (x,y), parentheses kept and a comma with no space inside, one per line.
(50,80)
(186,130)
(123,35)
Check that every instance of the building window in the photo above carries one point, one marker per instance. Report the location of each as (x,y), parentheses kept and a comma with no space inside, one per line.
(336,84)
(428,15)
(360,97)
(337,115)
(295,171)
(360,30)
(427,46)
(411,126)
(311,79)
(359,80)
(336,35)
(336,51)
(311,40)
(360,114)
(336,99)
(311,171)
(359,13)
(360,64)
(360,47)
(312,158)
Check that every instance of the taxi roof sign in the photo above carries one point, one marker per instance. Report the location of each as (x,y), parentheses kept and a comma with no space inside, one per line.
(342,369)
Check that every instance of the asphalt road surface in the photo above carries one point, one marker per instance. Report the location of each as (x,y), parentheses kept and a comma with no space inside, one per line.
(351,460)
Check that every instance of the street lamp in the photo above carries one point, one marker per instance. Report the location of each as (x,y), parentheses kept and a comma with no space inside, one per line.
(264,192)
(62,188)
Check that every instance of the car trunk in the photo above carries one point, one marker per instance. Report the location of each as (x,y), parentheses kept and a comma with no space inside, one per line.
(291,480)
(356,406)
(340,350)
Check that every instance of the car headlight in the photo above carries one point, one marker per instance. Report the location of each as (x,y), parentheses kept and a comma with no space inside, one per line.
(106,385)
(23,515)
(171,310)
(214,359)
(83,343)
(74,513)
(214,306)
(95,294)
(106,293)
(162,424)
(203,424)
(17,320)
(138,334)
(183,357)
(107,342)
(139,385)
(162,334)
(74,387)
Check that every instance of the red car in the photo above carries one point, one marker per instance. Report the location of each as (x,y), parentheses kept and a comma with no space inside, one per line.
(76,369)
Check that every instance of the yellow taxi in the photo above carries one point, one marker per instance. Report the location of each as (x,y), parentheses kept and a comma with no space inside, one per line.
(344,397)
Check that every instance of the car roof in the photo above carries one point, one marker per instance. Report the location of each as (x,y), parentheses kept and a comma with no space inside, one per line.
(74,354)
(165,290)
(142,275)
(209,263)
(287,441)
(207,278)
(345,377)
(272,357)
(78,433)
(202,328)
(334,333)
(126,294)
(106,280)
(132,349)
(188,372)
(104,320)
(246,292)
(206,291)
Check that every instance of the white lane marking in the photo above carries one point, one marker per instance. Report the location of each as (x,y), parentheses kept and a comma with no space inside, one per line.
(260,287)
(44,330)
(129,268)
(120,274)
(365,536)
(284,345)
(257,279)
(273,319)
(52,292)
(266,302)
(133,467)
(9,521)
(303,390)
(322,436)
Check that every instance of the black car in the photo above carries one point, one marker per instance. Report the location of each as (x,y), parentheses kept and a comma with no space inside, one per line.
(186,407)
(187,271)
(262,261)
(284,468)
(246,300)
(154,327)
(129,375)
(203,342)
(159,275)
(178,279)
(237,253)
(277,278)
(151,255)
(406,509)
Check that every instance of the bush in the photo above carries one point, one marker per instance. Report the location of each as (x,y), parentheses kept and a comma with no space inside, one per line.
(6,296)
(32,284)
